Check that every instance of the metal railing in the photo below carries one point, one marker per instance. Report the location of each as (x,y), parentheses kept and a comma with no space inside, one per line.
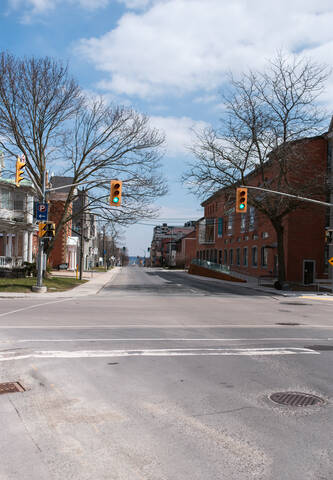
(211,265)
(10,262)
(6,262)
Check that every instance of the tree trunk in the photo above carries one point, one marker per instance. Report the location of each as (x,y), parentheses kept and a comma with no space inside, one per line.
(279,229)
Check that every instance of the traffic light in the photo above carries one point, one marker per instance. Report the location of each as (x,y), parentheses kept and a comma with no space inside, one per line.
(20,164)
(241,200)
(115,196)
(51,230)
(42,230)
(328,237)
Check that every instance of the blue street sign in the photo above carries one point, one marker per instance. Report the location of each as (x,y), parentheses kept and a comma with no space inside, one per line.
(42,211)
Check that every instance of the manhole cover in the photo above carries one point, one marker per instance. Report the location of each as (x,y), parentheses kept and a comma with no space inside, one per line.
(11,387)
(295,399)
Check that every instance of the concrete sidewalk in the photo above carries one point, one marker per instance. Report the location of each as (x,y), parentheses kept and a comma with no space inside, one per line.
(252,282)
(96,281)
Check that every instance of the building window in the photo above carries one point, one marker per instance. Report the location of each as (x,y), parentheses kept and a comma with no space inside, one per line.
(246,237)
(245,256)
(6,199)
(230,223)
(239,239)
(264,235)
(225,257)
(231,257)
(252,218)
(254,236)
(220,227)
(220,257)
(264,257)
(19,198)
(210,233)
(215,256)
(254,257)
(243,222)
(238,256)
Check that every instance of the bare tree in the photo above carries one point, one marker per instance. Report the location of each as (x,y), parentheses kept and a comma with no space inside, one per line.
(44,115)
(105,143)
(37,99)
(269,119)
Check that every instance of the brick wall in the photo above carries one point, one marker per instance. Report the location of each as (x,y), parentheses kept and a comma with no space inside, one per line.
(58,254)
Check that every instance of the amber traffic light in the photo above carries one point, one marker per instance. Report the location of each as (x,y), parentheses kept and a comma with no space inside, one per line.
(42,229)
(241,200)
(20,164)
(115,196)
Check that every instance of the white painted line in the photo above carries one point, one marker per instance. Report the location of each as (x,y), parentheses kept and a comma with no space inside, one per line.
(34,306)
(14,355)
(170,327)
(175,339)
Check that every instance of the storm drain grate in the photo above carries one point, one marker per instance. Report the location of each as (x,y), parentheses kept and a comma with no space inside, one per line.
(11,387)
(295,399)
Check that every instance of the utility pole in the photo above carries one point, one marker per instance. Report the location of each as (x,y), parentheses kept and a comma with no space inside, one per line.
(82,205)
(104,251)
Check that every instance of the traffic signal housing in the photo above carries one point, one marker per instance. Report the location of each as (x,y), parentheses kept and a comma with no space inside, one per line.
(46,229)
(241,200)
(20,164)
(42,230)
(328,237)
(51,230)
(115,195)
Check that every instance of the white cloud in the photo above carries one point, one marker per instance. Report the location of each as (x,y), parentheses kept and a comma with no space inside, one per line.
(178,132)
(180,46)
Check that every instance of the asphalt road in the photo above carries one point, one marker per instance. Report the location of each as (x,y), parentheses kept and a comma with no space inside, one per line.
(164,376)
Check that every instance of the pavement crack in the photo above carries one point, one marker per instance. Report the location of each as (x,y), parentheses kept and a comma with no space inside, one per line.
(25,427)
(221,412)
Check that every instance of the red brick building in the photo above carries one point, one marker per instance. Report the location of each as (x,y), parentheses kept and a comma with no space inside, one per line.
(247,243)
(59,253)
(186,248)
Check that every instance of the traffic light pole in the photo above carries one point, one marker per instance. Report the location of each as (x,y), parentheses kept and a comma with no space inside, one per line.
(289,195)
(41,246)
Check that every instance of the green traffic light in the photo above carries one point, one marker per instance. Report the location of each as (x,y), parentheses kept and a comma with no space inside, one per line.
(116,200)
(241,206)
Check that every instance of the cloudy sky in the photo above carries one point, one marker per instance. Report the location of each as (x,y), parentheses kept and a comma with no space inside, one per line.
(169,59)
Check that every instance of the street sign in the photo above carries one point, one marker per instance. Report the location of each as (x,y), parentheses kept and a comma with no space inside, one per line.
(331,261)
(42,211)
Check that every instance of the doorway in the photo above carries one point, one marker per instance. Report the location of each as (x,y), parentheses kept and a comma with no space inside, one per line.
(308,271)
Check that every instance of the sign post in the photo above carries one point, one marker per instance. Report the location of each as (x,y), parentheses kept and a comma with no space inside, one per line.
(330,261)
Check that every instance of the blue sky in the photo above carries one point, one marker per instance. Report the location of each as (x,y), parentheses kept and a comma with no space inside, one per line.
(168,59)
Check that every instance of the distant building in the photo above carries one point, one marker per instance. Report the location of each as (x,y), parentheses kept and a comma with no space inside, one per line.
(82,216)
(65,246)
(163,249)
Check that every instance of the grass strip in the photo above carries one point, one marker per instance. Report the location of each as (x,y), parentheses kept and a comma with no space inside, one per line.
(23,285)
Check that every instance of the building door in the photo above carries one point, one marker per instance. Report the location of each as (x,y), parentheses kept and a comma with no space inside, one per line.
(308,271)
